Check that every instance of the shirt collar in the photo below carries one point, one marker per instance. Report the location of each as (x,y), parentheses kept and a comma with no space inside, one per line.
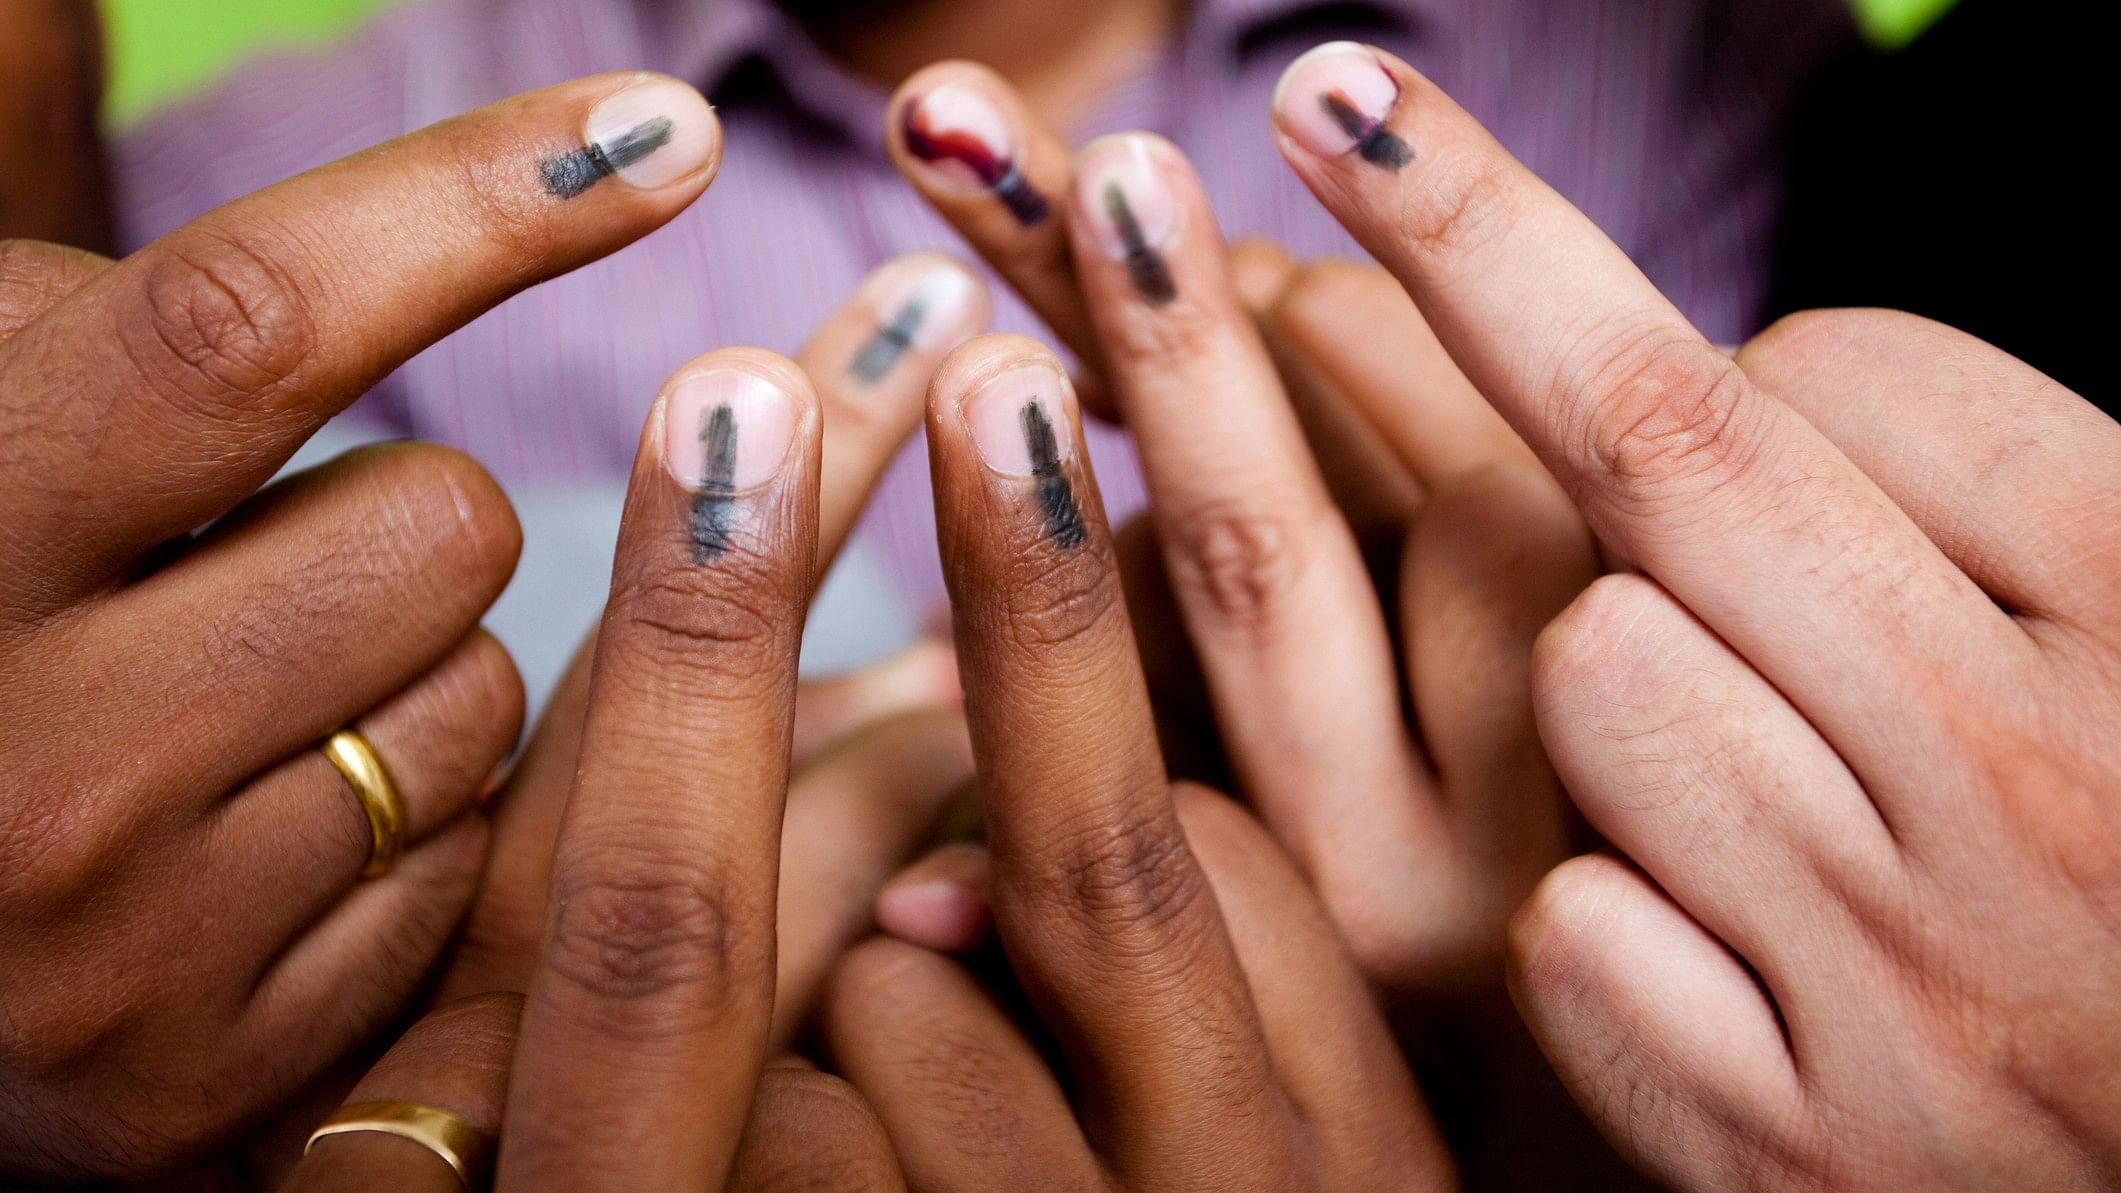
(706,39)
(1239,21)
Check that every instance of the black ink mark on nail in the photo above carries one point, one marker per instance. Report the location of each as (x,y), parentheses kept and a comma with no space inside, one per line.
(714,501)
(570,174)
(890,342)
(1378,145)
(1146,267)
(996,172)
(1056,498)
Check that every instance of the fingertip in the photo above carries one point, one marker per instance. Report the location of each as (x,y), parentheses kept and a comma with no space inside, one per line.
(729,421)
(933,913)
(1340,99)
(977,362)
(941,73)
(958,128)
(647,131)
(1261,271)
(1133,198)
(925,303)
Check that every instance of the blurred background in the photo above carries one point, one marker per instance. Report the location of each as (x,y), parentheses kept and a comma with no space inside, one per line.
(1949,169)
(161,50)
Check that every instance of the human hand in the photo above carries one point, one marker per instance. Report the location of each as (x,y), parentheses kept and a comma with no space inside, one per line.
(644,1034)
(1215,1035)
(54,184)
(805,1131)
(1420,867)
(1358,554)
(188,937)
(1852,726)
(878,754)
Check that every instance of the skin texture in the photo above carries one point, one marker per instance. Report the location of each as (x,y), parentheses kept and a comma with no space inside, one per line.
(884,768)
(188,939)
(1848,729)
(807,1130)
(1117,897)
(879,755)
(1306,602)
(640,1059)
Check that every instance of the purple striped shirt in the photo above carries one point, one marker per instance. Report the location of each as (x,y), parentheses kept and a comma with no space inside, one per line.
(1660,118)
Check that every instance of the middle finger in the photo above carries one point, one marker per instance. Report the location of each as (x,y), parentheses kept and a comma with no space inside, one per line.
(650,1009)
(1277,598)
(1730,499)
(1104,913)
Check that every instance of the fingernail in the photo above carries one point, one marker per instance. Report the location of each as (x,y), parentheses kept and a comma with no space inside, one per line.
(1130,211)
(922,302)
(726,430)
(960,131)
(1021,426)
(1019,421)
(1338,98)
(648,136)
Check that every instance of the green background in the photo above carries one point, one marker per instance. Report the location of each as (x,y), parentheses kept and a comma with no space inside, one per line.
(161,49)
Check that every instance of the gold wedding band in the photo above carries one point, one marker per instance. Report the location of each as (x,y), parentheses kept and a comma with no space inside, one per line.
(380,802)
(466,1149)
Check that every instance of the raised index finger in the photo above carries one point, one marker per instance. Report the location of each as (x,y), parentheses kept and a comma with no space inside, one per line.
(174,383)
(1726,495)
(647,1017)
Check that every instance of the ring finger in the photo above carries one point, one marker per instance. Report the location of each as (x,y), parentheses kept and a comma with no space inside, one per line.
(455,1060)
(292,843)
(1276,596)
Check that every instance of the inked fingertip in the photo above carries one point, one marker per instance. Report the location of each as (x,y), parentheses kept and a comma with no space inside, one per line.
(651,134)
(1338,100)
(921,302)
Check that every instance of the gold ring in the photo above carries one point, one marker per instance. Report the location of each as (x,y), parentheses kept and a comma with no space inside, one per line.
(466,1149)
(380,802)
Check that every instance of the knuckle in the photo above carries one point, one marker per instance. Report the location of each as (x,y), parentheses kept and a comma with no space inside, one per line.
(1326,289)
(484,694)
(841,1142)
(1554,940)
(879,972)
(216,321)
(1796,344)
(732,623)
(1238,557)
(1128,875)
(1575,647)
(46,1039)
(429,525)
(1463,206)
(475,1035)
(1668,411)
(56,846)
(628,928)
(486,530)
